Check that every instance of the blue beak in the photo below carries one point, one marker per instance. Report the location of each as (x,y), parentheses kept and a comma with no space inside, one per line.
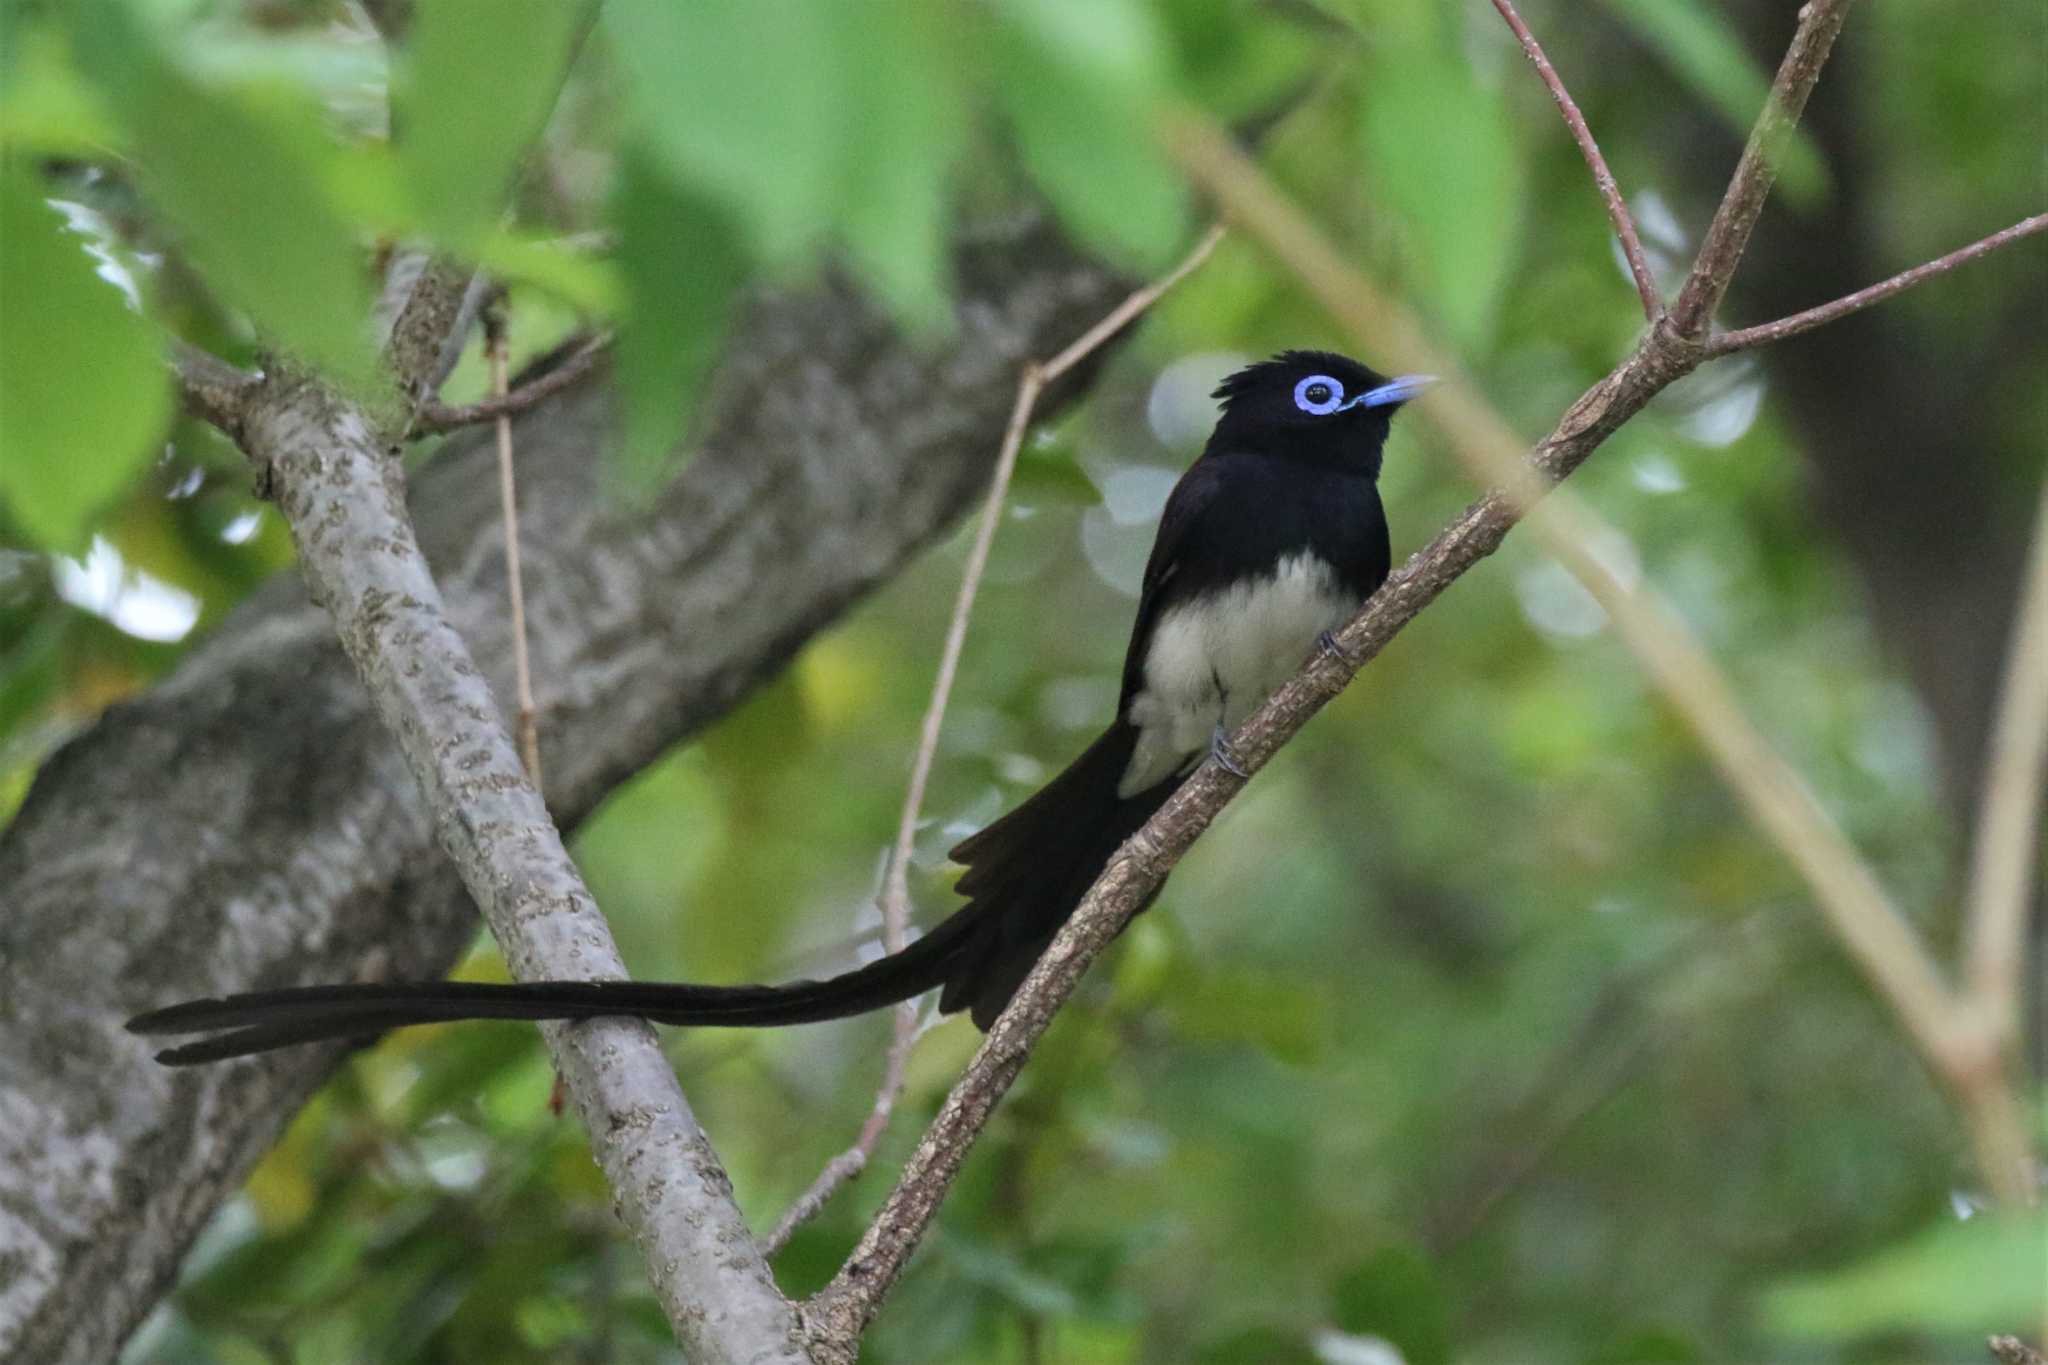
(1393,391)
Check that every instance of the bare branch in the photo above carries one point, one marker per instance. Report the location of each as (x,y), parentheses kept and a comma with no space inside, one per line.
(508,502)
(1728,235)
(1765,333)
(896,888)
(212,390)
(343,501)
(1603,178)
(435,416)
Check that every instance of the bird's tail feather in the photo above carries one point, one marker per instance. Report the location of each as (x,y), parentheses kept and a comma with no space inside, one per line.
(262,1020)
(1025,873)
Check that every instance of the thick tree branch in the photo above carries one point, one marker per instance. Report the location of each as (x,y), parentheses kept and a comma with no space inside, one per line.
(1765,333)
(1603,178)
(249,823)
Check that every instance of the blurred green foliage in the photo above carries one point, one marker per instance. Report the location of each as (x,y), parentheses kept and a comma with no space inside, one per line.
(1483,1027)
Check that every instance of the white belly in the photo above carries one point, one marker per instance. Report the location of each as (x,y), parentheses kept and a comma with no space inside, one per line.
(1215,658)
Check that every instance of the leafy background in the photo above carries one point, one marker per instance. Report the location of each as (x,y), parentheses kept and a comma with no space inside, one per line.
(1482,1030)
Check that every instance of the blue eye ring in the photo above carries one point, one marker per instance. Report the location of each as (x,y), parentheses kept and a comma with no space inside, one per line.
(1319,395)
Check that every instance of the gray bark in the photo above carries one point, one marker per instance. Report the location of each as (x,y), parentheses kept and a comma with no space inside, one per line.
(249,823)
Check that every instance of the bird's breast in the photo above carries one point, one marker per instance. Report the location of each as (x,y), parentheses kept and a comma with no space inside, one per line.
(1215,656)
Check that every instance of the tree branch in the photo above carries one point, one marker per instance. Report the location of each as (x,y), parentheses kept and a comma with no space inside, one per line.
(1765,333)
(212,390)
(1728,235)
(343,501)
(1603,178)
(436,416)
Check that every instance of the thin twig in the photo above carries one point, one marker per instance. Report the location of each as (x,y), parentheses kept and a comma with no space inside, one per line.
(1031,383)
(508,500)
(436,416)
(1728,235)
(1767,332)
(1603,178)
(1141,299)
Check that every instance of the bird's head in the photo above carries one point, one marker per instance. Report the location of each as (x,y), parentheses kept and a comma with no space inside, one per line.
(1312,405)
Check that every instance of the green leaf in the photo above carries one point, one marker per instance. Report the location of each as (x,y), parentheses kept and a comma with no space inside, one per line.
(908,118)
(740,107)
(683,265)
(1978,1276)
(1395,1295)
(45,104)
(1441,162)
(1080,81)
(83,393)
(582,281)
(240,173)
(1707,55)
(476,87)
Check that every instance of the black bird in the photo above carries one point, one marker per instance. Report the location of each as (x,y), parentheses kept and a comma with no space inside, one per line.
(1271,540)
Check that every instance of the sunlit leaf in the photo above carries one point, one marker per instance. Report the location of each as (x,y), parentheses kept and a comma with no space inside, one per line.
(46,106)
(83,390)
(477,83)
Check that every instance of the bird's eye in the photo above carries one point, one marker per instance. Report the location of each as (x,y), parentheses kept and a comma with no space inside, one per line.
(1319,394)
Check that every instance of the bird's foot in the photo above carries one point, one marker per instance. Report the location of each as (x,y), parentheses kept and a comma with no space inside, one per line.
(1327,643)
(1219,749)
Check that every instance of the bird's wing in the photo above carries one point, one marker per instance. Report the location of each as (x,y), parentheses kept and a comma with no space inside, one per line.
(1198,490)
